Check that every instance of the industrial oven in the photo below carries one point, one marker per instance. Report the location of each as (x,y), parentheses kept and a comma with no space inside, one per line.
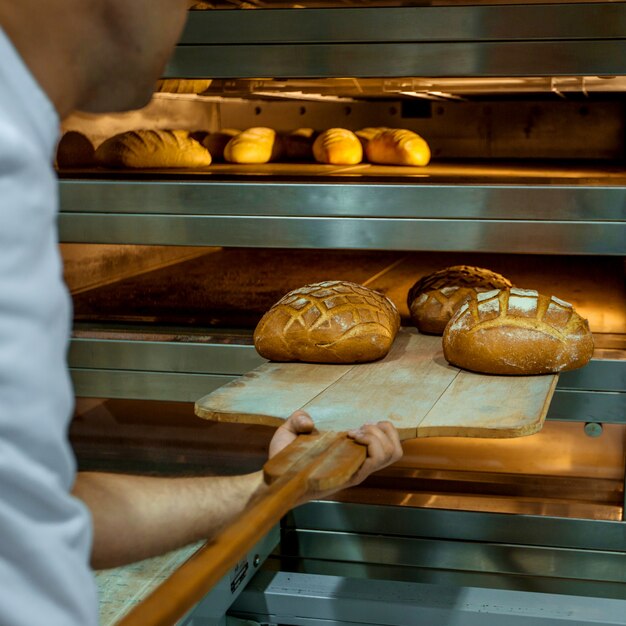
(525,112)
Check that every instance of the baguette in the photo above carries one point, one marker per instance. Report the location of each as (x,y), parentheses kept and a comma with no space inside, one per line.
(152,149)
(517,331)
(338,146)
(328,322)
(396,146)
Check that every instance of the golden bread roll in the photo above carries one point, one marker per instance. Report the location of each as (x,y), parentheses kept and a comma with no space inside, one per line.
(397,146)
(434,298)
(216,142)
(298,144)
(517,331)
(182,85)
(75,150)
(367,134)
(338,146)
(329,322)
(152,149)
(254,145)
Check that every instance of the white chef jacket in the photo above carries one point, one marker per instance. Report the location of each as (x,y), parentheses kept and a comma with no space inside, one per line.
(45,535)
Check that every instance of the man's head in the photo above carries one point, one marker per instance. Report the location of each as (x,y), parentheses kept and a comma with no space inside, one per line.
(96,56)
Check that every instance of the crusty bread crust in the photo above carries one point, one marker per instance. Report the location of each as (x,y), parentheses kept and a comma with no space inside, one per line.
(328,322)
(152,149)
(338,146)
(517,331)
(434,298)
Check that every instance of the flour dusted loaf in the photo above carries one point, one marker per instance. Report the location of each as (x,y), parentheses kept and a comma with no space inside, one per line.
(397,146)
(434,298)
(328,322)
(253,145)
(338,146)
(517,331)
(152,149)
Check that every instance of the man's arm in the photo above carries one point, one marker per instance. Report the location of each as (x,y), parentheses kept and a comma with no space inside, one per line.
(136,517)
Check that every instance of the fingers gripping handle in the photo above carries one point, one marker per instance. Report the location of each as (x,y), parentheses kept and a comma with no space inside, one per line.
(327,460)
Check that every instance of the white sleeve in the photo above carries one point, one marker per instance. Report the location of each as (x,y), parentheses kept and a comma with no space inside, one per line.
(45,533)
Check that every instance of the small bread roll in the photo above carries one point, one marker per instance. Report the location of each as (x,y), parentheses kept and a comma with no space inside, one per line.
(365,135)
(329,322)
(396,146)
(75,150)
(152,149)
(254,145)
(338,146)
(216,142)
(434,298)
(298,144)
(517,331)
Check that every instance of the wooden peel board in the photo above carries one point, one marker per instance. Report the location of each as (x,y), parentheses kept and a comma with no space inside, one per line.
(413,387)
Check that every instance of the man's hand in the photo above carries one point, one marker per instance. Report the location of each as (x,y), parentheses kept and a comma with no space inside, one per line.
(299,423)
(381,439)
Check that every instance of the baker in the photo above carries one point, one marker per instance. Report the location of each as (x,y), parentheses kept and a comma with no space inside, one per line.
(55,57)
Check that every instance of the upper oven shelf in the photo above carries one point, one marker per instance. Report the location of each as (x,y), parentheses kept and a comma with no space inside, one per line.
(436,208)
(497,40)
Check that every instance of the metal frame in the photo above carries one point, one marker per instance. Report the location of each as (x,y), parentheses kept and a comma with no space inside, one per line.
(313,600)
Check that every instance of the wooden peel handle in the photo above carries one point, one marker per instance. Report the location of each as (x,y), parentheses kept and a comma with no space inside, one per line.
(310,465)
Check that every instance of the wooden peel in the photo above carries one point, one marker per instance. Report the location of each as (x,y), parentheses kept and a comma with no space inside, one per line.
(310,465)
(413,387)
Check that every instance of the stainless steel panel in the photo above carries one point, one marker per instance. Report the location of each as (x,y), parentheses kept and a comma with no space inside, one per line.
(588,406)
(310,600)
(457,555)
(447,578)
(534,58)
(524,236)
(462,200)
(463,526)
(599,375)
(459,23)
(101,383)
(163,356)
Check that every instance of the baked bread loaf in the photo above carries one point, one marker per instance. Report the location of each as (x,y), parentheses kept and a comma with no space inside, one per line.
(338,146)
(367,134)
(152,149)
(216,142)
(75,150)
(397,146)
(329,322)
(434,298)
(298,144)
(517,331)
(182,85)
(254,145)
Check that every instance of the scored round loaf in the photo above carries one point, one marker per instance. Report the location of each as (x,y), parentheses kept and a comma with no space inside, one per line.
(216,142)
(338,146)
(328,322)
(517,331)
(434,298)
(152,149)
